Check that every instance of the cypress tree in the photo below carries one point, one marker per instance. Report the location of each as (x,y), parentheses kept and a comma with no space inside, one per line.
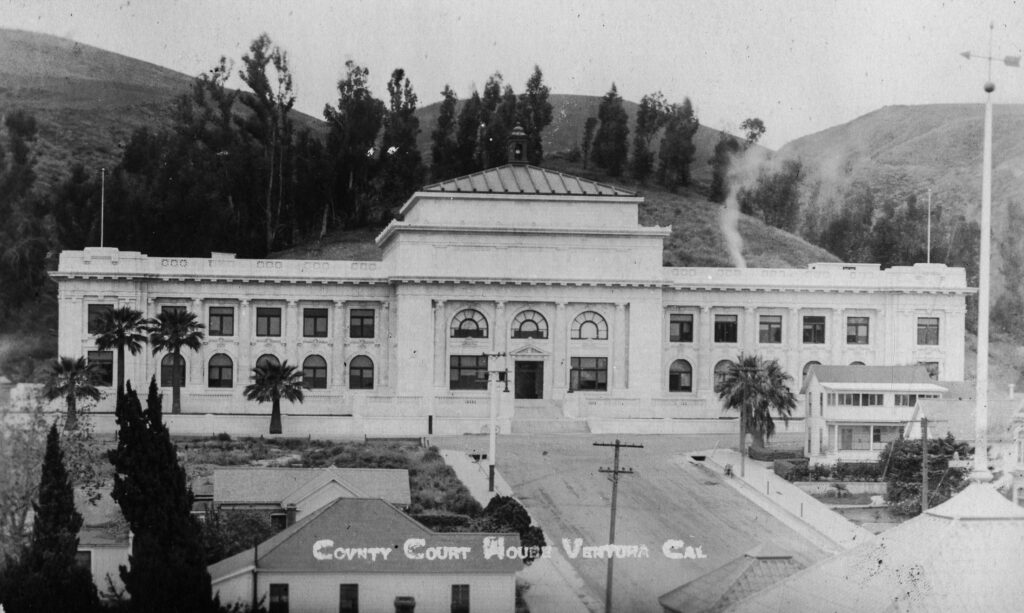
(536,114)
(443,149)
(46,577)
(610,142)
(167,571)
(467,135)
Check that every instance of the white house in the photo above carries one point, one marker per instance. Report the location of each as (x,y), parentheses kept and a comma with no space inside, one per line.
(363,555)
(853,411)
(550,275)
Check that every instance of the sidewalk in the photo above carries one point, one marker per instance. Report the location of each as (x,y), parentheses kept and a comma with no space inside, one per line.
(554,584)
(786,502)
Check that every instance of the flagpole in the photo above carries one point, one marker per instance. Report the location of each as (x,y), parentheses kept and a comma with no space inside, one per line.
(103,202)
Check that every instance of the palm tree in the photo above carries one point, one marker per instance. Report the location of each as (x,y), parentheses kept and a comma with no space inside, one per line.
(755,386)
(170,331)
(72,378)
(121,328)
(272,382)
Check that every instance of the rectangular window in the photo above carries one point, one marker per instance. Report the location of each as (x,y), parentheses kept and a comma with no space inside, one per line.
(222,321)
(468,372)
(349,598)
(96,312)
(104,361)
(860,400)
(857,330)
(854,438)
(360,323)
(460,598)
(83,559)
(268,321)
(173,308)
(680,328)
(927,330)
(589,374)
(814,329)
(769,329)
(726,327)
(278,598)
(884,434)
(314,323)
(278,521)
(932,368)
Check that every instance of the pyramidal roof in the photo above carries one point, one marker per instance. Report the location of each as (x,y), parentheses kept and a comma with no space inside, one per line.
(964,554)
(525,179)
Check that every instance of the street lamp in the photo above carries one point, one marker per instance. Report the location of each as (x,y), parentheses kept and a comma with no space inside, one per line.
(493,379)
(980,472)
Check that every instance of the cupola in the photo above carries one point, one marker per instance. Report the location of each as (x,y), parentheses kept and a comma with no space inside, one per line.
(517,146)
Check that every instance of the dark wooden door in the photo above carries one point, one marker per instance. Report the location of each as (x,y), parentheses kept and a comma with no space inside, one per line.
(529,380)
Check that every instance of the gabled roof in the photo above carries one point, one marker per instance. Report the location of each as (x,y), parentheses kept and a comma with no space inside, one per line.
(357,523)
(961,555)
(744,576)
(103,525)
(275,485)
(855,375)
(525,179)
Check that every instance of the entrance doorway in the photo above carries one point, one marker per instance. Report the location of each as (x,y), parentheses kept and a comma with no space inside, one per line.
(529,380)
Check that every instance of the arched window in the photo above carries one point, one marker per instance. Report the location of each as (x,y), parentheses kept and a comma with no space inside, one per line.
(856,363)
(314,373)
(469,323)
(680,376)
(360,373)
(267,359)
(721,370)
(171,369)
(529,324)
(807,368)
(221,371)
(589,325)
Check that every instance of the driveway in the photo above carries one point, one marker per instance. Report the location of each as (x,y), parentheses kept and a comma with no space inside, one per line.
(556,477)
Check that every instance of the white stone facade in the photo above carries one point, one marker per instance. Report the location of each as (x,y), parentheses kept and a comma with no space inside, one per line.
(571,291)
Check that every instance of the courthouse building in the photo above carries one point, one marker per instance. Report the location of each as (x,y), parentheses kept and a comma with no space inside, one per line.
(520,269)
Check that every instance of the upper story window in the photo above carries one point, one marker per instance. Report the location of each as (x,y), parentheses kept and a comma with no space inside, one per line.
(814,329)
(460,598)
(857,330)
(314,323)
(360,323)
(680,377)
(268,321)
(529,324)
(222,321)
(589,325)
(769,329)
(104,361)
(176,309)
(680,328)
(858,400)
(726,328)
(469,323)
(909,400)
(927,330)
(96,313)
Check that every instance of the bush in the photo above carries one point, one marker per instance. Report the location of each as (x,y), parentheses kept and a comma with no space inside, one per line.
(791,470)
(770,455)
(442,521)
(820,472)
(223,437)
(506,514)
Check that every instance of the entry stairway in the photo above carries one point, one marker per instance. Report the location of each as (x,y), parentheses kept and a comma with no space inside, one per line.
(539,417)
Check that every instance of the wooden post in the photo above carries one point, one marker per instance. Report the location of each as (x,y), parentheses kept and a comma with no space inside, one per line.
(615,471)
(924,464)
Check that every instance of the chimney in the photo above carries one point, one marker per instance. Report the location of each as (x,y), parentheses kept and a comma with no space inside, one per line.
(289,515)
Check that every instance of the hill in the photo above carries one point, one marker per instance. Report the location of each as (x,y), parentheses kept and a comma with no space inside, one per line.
(569,114)
(87,101)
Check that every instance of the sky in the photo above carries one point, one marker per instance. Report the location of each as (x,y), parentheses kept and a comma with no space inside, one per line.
(801,66)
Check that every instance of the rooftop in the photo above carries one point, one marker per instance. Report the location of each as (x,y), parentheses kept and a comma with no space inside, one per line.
(914,378)
(525,179)
(275,485)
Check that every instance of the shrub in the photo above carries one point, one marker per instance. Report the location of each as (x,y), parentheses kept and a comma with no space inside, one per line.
(791,470)
(443,521)
(223,437)
(820,472)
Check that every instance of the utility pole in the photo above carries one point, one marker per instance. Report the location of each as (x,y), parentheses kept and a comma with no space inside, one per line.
(924,464)
(493,379)
(615,471)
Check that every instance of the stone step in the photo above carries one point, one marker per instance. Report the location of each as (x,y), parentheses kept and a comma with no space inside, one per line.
(561,425)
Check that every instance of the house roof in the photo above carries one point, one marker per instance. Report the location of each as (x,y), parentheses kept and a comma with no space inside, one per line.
(525,179)
(364,523)
(102,522)
(874,377)
(957,416)
(730,583)
(275,485)
(961,555)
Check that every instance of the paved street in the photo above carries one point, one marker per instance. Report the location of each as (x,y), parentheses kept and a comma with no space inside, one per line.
(557,478)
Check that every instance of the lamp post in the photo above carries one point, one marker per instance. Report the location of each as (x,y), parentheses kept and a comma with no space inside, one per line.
(980,472)
(493,379)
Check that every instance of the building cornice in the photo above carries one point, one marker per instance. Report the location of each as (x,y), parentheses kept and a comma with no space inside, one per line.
(639,231)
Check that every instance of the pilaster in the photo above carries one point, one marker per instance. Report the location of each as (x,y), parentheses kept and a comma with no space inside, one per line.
(619,348)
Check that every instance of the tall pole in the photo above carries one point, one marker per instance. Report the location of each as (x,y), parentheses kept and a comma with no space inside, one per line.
(103,202)
(928,256)
(492,378)
(924,464)
(615,471)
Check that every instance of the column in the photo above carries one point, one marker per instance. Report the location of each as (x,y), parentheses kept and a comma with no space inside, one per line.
(243,332)
(292,333)
(440,345)
(385,340)
(500,341)
(338,362)
(748,342)
(196,359)
(703,368)
(791,331)
(837,335)
(619,348)
(149,310)
(560,359)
